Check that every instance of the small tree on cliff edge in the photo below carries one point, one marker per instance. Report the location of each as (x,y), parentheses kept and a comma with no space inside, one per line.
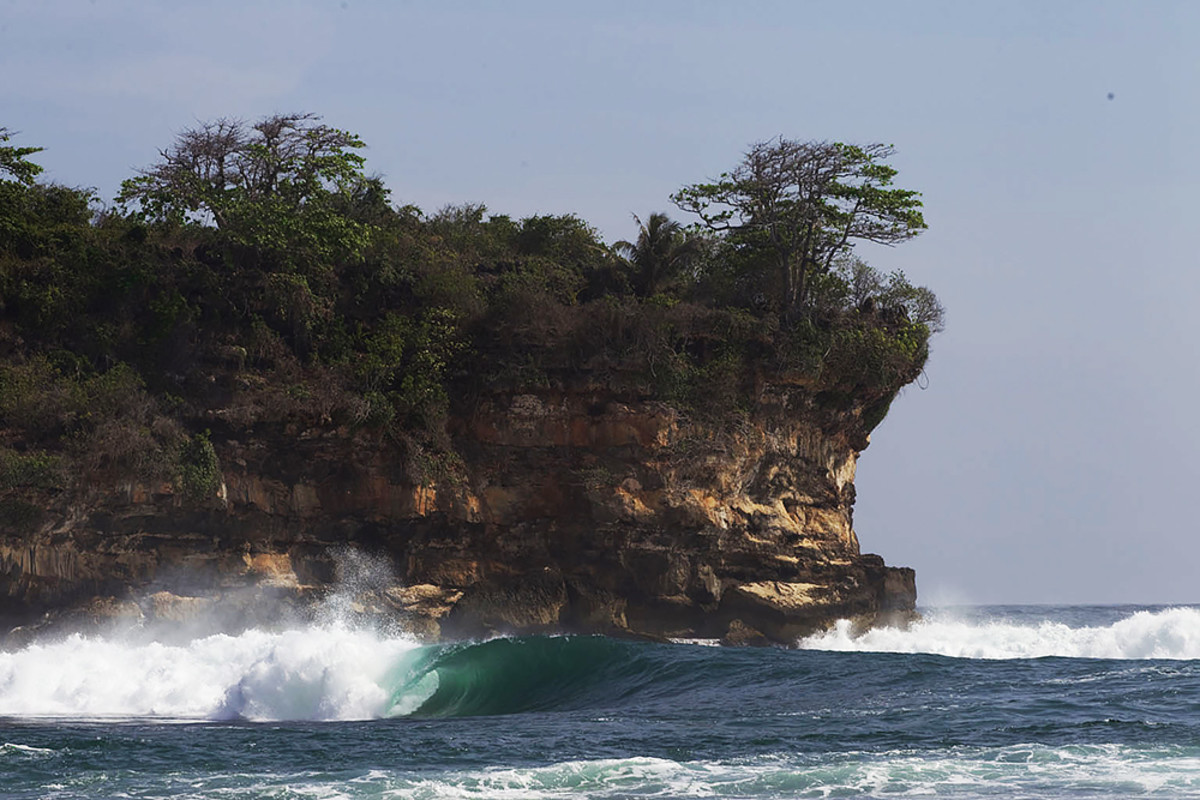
(804,203)
(281,185)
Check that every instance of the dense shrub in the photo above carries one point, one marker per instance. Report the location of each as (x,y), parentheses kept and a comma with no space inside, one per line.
(198,472)
(36,469)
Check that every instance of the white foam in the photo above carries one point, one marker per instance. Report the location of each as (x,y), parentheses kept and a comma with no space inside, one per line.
(1168,634)
(1019,770)
(617,777)
(319,673)
(24,749)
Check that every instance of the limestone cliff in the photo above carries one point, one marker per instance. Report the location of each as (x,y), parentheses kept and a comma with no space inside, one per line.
(570,511)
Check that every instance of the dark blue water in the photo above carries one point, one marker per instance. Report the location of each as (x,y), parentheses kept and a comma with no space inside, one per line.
(982,702)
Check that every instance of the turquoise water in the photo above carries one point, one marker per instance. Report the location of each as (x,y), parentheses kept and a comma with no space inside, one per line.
(1035,702)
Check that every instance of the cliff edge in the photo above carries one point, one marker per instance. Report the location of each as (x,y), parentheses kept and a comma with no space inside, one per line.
(253,384)
(570,512)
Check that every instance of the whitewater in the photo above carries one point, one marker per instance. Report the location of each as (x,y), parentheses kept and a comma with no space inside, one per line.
(973,702)
(1018,632)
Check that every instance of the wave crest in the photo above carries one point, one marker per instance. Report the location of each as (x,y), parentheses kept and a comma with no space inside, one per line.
(1172,633)
(316,673)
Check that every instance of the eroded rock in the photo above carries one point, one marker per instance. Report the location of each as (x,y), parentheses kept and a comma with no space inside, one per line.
(571,512)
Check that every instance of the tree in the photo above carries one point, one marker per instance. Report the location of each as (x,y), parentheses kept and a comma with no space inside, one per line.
(283,185)
(804,203)
(662,250)
(14,161)
(862,286)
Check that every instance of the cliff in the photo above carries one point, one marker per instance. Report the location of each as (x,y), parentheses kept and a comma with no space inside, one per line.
(568,510)
(239,392)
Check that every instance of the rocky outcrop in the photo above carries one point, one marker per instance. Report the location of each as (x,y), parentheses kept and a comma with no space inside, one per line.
(561,511)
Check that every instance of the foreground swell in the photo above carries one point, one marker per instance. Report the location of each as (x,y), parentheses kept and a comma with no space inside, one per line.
(1011,772)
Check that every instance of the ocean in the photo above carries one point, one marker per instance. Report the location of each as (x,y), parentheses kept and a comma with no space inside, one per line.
(978,702)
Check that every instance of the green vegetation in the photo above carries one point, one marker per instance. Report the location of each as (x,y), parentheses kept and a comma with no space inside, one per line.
(659,256)
(36,469)
(801,205)
(199,471)
(256,277)
(15,160)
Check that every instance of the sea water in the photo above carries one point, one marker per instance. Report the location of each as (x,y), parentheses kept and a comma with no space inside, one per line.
(985,702)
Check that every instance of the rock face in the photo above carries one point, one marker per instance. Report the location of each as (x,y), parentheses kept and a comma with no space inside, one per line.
(569,511)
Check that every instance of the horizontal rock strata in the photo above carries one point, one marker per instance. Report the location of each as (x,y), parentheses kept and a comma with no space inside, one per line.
(569,511)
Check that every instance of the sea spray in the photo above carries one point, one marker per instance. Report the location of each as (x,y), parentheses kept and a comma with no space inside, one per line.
(318,673)
(360,584)
(339,665)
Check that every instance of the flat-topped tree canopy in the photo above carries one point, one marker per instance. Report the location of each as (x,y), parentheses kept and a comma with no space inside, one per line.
(804,203)
(282,184)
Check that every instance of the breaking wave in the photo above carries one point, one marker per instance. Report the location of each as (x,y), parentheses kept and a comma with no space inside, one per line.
(333,671)
(1172,633)
(316,673)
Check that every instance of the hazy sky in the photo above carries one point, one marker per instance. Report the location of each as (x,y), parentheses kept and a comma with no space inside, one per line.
(1052,456)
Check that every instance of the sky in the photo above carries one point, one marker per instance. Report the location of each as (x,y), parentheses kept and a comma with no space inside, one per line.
(1049,452)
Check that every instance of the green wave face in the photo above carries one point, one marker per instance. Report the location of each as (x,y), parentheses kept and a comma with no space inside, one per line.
(509,676)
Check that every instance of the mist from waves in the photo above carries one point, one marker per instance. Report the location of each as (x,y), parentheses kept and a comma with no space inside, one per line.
(333,664)
(341,664)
